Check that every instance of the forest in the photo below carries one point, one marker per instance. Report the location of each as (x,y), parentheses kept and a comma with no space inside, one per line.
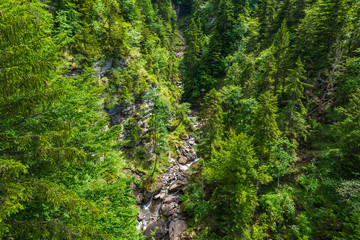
(179,119)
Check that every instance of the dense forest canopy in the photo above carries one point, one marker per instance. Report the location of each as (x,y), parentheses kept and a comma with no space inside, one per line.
(100,98)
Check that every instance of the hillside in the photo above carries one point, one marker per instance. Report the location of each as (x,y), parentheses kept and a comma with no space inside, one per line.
(179,119)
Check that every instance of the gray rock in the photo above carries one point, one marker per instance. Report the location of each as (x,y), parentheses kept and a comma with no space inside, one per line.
(165,210)
(176,228)
(189,154)
(160,231)
(139,199)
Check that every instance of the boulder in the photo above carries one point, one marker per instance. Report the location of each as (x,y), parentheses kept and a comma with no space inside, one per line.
(159,186)
(160,231)
(155,207)
(139,199)
(171,199)
(160,196)
(146,197)
(189,154)
(176,228)
(165,210)
(183,160)
(176,186)
(183,168)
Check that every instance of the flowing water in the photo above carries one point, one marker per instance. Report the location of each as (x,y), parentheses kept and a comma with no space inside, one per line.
(151,211)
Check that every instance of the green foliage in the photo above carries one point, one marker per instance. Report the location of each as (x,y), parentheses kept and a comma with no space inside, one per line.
(265,129)
(347,132)
(238,111)
(319,31)
(212,123)
(232,170)
(160,117)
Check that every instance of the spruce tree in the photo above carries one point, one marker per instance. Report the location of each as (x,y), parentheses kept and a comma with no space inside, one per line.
(50,136)
(32,147)
(191,62)
(232,169)
(266,14)
(280,47)
(318,32)
(265,130)
(212,123)
(295,108)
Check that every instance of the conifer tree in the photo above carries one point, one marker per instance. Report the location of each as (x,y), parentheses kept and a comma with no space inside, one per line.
(291,12)
(347,132)
(220,44)
(266,15)
(241,7)
(232,170)
(295,108)
(33,147)
(212,123)
(191,61)
(49,135)
(319,31)
(280,49)
(160,117)
(264,129)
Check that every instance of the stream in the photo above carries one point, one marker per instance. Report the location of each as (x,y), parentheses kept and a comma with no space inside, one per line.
(161,209)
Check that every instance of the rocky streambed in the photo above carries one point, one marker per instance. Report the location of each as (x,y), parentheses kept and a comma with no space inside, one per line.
(160,210)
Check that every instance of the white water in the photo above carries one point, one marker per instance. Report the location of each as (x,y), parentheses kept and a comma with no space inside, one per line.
(147,205)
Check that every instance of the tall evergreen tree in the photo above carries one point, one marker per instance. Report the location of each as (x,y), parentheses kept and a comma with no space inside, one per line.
(33,147)
(232,171)
(191,61)
(266,14)
(295,108)
(318,32)
(212,123)
(280,47)
(264,129)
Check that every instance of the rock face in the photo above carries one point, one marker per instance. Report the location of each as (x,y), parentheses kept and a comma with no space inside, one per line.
(161,209)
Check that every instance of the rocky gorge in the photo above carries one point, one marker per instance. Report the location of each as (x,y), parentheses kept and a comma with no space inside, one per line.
(160,214)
